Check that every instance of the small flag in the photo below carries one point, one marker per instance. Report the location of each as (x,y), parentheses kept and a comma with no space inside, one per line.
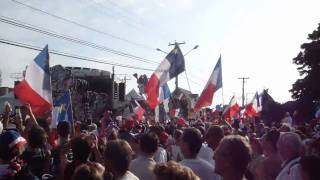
(137,109)
(169,68)
(252,109)
(214,83)
(35,89)
(62,110)
(231,110)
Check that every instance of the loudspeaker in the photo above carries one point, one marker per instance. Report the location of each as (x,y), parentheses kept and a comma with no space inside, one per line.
(16,83)
(122,91)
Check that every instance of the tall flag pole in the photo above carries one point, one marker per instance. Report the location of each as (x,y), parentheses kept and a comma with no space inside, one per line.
(214,83)
(170,67)
(35,89)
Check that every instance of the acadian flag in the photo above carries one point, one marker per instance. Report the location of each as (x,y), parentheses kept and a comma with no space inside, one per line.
(35,89)
(214,83)
(62,110)
(252,109)
(169,68)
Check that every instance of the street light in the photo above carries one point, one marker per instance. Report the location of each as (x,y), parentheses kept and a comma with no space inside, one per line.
(158,49)
(195,47)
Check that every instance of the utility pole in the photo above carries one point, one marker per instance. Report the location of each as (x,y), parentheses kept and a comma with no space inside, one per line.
(243,81)
(173,44)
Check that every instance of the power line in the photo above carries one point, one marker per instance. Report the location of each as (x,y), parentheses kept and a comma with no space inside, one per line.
(84,26)
(103,7)
(60,53)
(30,27)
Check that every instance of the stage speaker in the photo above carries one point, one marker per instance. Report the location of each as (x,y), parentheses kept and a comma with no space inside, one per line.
(122,91)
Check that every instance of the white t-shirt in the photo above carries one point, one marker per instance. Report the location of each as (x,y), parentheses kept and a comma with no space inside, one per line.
(201,168)
(290,171)
(206,153)
(176,153)
(128,176)
(161,155)
(142,167)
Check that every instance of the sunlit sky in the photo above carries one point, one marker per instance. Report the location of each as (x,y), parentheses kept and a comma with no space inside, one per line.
(256,38)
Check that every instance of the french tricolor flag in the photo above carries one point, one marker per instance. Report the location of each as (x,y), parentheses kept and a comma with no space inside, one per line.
(231,110)
(35,89)
(252,109)
(169,68)
(214,83)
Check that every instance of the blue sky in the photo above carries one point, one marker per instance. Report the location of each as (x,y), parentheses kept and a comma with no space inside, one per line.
(256,38)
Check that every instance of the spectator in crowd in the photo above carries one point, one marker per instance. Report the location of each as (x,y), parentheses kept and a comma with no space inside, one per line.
(174,171)
(290,147)
(117,160)
(81,150)
(63,130)
(174,149)
(232,157)
(309,167)
(190,145)
(213,137)
(143,165)
(257,156)
(36,155)
(270,166)
(89,171)
(11,146)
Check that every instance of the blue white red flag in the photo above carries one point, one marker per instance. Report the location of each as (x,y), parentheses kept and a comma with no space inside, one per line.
(35,89)
(169,68)
(214,83)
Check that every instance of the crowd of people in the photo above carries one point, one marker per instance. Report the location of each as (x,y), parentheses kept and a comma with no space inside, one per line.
(126,149)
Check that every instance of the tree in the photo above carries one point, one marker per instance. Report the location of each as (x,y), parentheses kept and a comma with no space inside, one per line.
(306,90)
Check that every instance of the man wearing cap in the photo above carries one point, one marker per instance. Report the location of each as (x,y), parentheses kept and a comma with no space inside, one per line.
(11,146)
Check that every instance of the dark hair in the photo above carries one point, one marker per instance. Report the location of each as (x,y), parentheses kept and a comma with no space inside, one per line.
(81,148)
(177,134)
(86,172)
(192,137)
(215,131)
(149,143)
(273,137)
(37,137)
(310,165)
(238,151)
(63,129)
(118,153)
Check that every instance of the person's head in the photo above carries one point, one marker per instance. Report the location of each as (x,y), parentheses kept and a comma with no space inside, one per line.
(191,142)
(37,137)
(118,155)
(11,145)
(177,134)
(289,145)
(173,170)
(285,128)
(149,143)
(63,129)
(81,148)
(255,146)
(232,156)
(88,171)
(269,142)
(214,136)
(309,167)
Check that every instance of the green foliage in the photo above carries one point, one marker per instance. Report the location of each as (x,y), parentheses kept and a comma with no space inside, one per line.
(306,90)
